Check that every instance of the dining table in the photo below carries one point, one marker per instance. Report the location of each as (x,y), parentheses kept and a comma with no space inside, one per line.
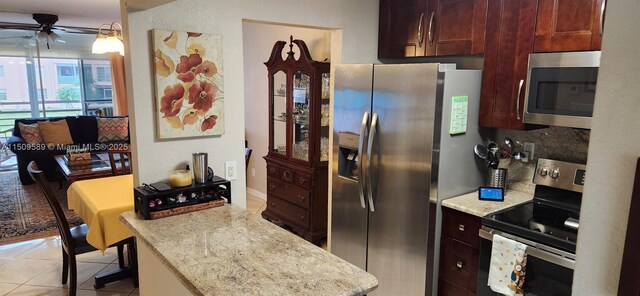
(99,202)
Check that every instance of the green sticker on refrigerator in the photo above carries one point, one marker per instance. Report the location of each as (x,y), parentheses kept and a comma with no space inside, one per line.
(459,112)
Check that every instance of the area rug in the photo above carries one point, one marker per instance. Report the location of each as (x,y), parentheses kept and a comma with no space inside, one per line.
(24,211)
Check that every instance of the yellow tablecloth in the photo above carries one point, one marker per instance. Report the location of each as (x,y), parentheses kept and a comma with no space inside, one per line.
(99,202)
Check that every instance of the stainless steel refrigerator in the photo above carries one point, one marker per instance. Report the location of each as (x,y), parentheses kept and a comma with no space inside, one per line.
(403,138)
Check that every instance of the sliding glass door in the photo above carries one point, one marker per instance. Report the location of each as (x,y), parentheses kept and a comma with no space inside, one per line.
(64,81)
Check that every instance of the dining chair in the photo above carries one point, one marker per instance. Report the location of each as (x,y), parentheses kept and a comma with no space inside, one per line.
(247,156)
(122,164)
(74,239)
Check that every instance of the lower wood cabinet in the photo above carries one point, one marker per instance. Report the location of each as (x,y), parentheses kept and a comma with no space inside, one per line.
(459,253)
(297,198)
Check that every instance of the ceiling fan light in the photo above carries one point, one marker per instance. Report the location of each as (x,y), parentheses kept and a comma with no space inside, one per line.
(42,35)
(55,37)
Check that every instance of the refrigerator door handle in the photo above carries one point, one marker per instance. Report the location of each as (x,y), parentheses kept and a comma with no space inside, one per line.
(372,134)
(361,152)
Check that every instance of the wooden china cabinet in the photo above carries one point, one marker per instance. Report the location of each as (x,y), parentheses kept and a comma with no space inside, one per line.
(297,162)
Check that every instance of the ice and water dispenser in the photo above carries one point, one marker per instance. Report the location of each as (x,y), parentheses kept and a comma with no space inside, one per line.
(348,155)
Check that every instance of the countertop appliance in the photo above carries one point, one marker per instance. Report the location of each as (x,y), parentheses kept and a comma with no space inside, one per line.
(561,88)
(548,225)
(401,138)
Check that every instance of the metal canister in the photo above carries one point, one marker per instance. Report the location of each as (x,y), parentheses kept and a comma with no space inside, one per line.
(200,166)
(497,178)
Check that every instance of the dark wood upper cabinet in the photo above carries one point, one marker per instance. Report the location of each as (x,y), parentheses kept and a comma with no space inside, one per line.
(569,25)
(400,33)
(455,27)
(414,28)
(508,43)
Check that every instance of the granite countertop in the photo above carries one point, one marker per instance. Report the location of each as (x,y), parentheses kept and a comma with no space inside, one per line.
(470,204)
(230,251)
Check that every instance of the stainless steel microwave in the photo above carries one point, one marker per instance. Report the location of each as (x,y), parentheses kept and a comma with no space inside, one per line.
(561,88)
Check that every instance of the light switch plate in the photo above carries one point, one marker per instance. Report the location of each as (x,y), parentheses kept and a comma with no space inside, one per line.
(231,170)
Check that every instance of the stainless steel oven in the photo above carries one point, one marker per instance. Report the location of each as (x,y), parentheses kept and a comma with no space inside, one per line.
(549,270)
(548,225)
(561,88)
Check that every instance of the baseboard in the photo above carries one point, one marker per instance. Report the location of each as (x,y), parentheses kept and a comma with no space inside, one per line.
(256,193)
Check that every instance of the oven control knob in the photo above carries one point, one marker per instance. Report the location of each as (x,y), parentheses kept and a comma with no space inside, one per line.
(544,171)
(554,173)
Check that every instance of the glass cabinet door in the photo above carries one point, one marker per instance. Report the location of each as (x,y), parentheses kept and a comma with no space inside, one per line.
(324,117)
(301,102)
(279,115)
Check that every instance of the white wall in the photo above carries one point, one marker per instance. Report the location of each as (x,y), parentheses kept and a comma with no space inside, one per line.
(262,37)
(153,159)
(613,151)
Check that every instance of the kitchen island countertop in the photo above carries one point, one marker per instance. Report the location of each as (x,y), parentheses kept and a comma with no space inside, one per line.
(230,251)
(469,203)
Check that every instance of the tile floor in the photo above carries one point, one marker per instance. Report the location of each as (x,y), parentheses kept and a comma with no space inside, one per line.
(35,267)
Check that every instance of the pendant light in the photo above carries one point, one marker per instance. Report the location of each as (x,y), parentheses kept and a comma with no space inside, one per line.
(110,42)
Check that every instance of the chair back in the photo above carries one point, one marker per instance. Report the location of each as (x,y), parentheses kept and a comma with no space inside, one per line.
(61,219)
(247,156)
(122,164)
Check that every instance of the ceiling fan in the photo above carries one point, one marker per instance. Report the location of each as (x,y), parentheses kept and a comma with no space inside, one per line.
(46,28)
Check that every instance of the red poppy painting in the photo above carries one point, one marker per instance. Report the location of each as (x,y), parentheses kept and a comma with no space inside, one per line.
(189,84)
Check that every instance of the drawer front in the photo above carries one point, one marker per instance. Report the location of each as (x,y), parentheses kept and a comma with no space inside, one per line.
(288,211)
(447,288)
(290,193)
(303,180)
(289,176)
(461,226)
(459,263)
(273,171)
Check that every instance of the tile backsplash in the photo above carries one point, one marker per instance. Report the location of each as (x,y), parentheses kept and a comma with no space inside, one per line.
(559,143)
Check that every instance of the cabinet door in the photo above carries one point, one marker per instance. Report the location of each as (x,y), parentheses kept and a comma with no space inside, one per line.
(401,28)
(569,25)
(300,132)
(278,114)
(509,41)
(455,27)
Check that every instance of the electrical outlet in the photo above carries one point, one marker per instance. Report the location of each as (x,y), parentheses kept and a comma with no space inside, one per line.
(231,170)
(253,172)
(529,148)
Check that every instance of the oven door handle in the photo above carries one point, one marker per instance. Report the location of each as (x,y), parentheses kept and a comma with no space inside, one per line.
(549,254)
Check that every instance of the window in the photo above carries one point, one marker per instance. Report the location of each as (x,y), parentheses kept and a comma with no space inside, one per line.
(1,71)
(68,74)
(39,95)
(107,92)
(3,94)
(103,74)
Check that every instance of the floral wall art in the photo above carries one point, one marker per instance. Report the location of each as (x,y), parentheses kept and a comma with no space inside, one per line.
(189,84)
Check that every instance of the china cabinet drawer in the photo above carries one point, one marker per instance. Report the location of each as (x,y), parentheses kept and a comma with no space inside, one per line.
(290,193)
(461,226)
(289,176)
(288,211)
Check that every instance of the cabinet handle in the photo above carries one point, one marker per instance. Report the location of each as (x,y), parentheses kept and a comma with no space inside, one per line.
(518,99)
(301,217)
(272,171)
(459,264)
(420,29)
(287,175)
(430,36)
(273,203)
(301,197)
(461,227)
(604,4)
(272,186)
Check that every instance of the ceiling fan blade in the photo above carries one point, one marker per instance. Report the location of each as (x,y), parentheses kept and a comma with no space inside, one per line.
(18,26)
(76,30)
